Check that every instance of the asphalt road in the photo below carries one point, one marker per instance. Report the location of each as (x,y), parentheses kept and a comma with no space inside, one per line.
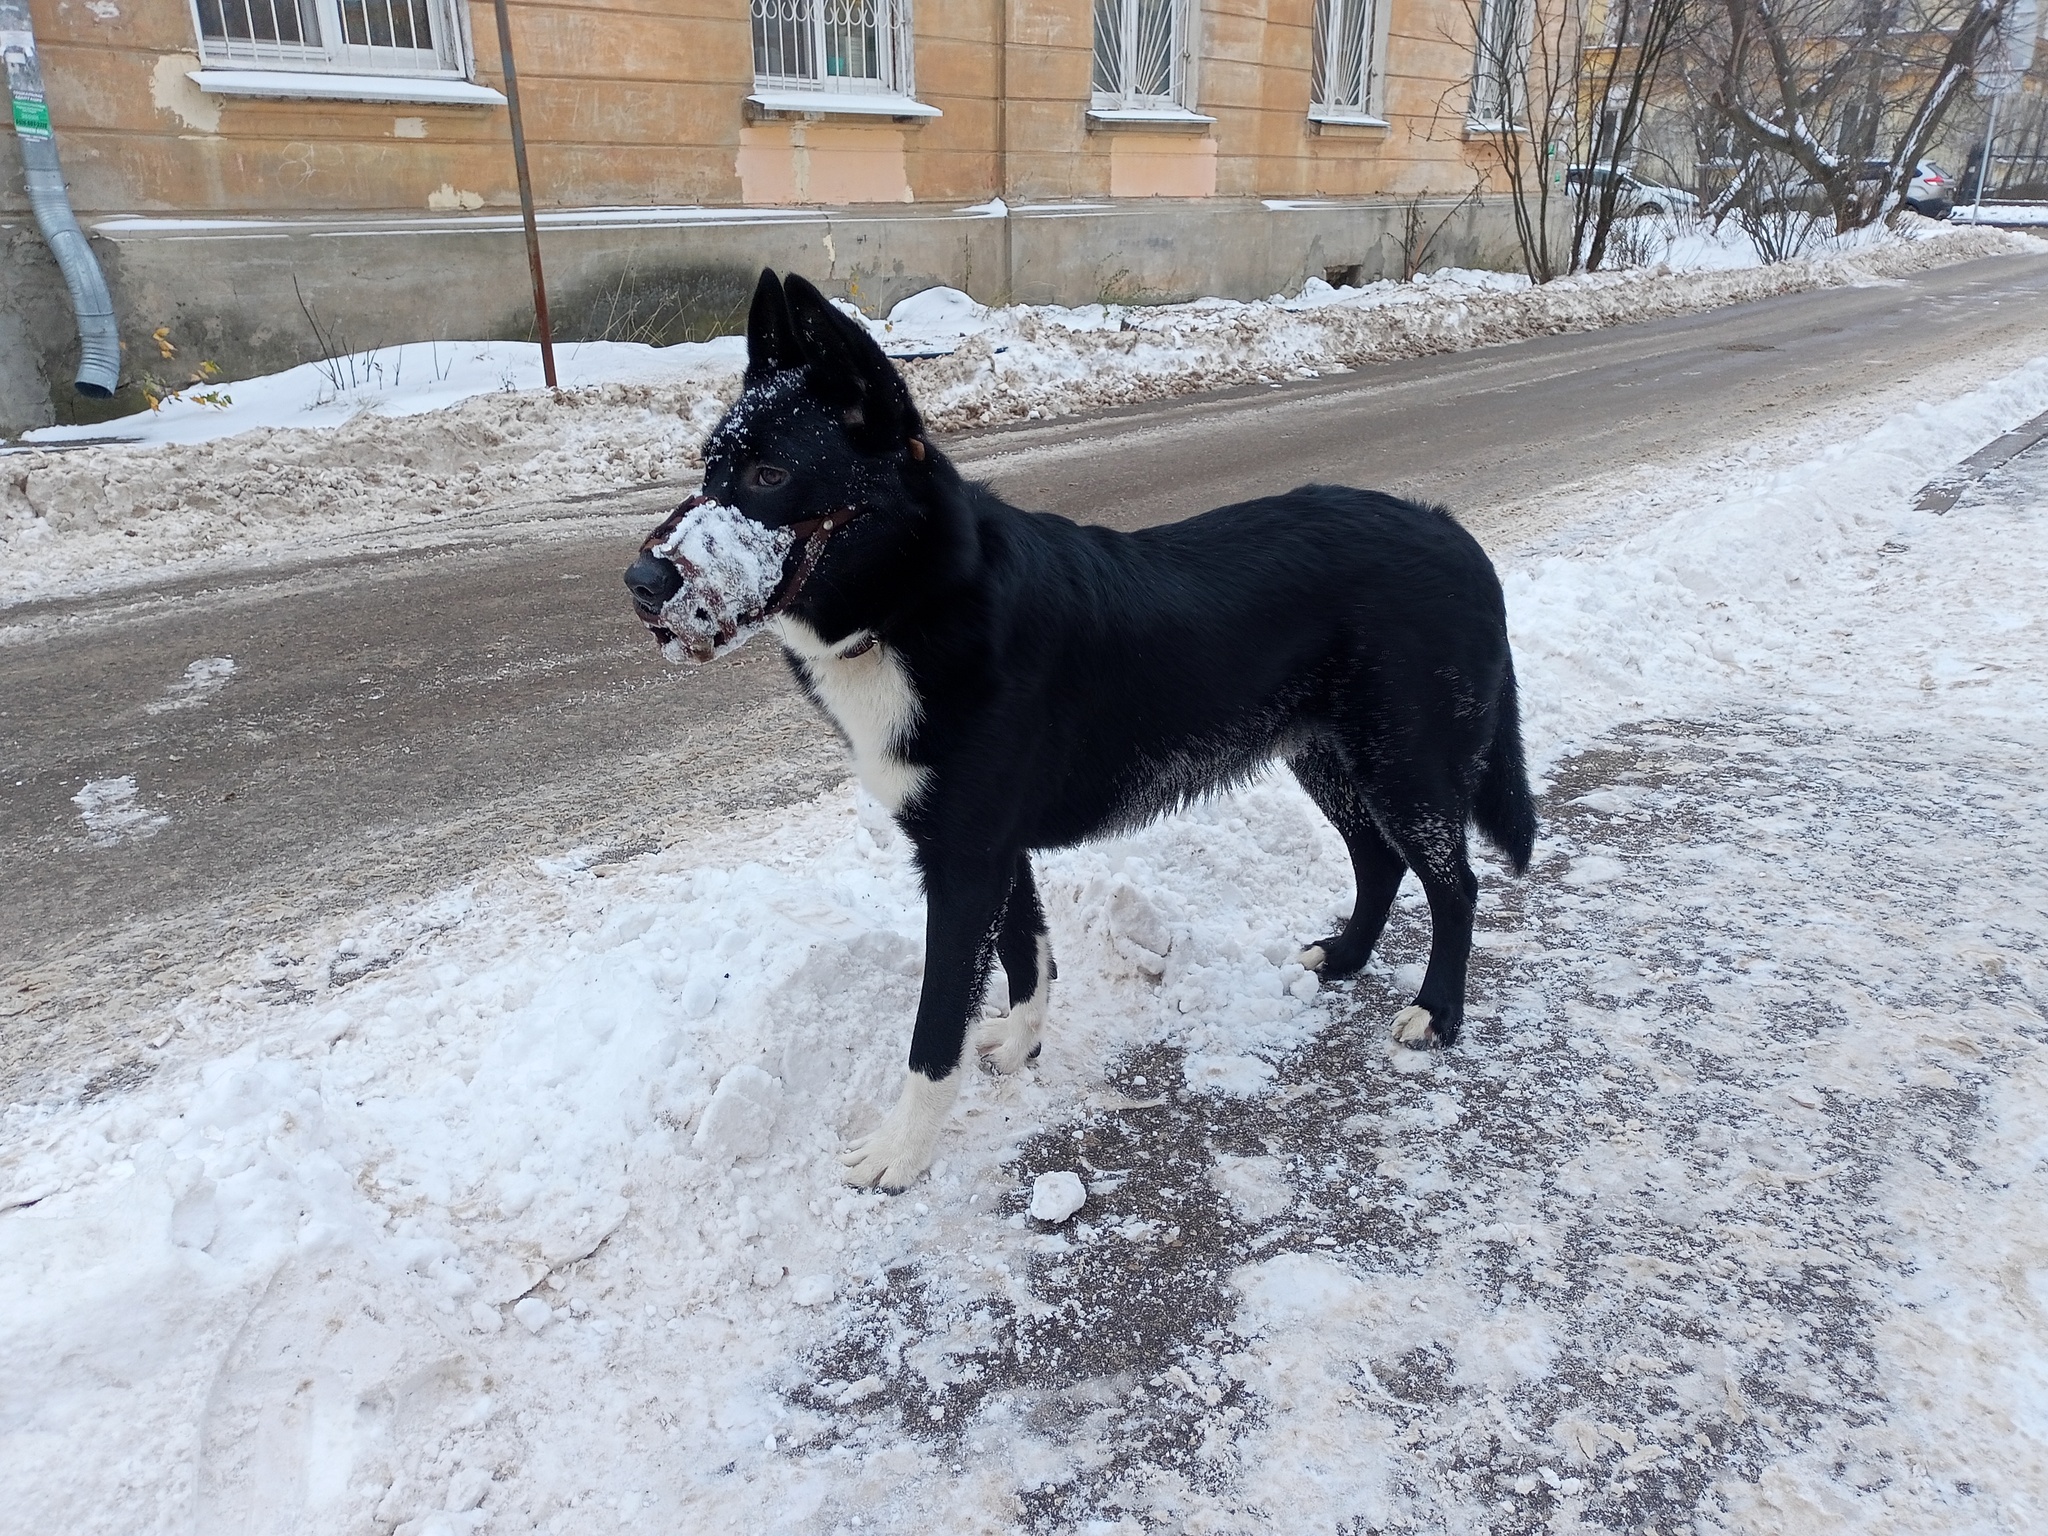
(399,722)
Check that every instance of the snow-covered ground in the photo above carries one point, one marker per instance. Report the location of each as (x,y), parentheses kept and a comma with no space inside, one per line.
(440,434)
(2003,214)
(515,1210)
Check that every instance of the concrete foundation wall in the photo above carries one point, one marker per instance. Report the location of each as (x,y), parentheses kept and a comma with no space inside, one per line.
(255,296)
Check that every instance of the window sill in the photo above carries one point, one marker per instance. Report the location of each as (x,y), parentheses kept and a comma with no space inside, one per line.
(1492,130)
(1149,119)
(304,85)
(1348,124)
(772,103)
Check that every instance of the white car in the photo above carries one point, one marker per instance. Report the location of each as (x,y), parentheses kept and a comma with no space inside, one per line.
(1634,195)
(1932,191)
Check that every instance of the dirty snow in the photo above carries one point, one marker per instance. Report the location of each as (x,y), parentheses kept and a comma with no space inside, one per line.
(112,813)
(515,1210)
(202,680)
(447,434)
(1055,1196)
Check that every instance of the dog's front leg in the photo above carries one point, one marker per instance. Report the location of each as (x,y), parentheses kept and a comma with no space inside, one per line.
(962,911)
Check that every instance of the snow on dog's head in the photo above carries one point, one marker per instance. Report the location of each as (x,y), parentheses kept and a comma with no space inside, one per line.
(824,431)
(730,567)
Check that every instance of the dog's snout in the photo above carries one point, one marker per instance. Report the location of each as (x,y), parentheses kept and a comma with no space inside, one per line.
(652,581)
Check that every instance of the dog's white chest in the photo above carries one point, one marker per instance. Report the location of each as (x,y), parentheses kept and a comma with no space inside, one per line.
(871,699)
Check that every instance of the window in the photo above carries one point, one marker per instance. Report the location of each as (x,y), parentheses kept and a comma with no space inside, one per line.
(1345,82)
(1144,58)
(367,37)
(845,47)
(1500,65)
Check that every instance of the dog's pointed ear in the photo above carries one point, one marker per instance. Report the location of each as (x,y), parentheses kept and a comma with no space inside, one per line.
(771,336)
(850,374)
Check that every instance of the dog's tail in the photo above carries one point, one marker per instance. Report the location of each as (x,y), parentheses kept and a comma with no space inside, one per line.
(1502,804)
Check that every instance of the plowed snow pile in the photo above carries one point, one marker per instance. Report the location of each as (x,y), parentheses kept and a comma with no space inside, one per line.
(435,433)
(516,1211)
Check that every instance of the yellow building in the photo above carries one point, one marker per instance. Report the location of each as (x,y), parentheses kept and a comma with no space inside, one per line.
(1143,149)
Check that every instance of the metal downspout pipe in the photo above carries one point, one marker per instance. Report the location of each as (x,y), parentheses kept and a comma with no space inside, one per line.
(99,339)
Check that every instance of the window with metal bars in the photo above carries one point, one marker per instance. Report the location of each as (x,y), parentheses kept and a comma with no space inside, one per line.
(369,37)
(1143,57)
(1501,64)
(1344,82)
(860,46)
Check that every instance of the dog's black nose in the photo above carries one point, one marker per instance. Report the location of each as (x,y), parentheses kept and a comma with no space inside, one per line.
(652,581)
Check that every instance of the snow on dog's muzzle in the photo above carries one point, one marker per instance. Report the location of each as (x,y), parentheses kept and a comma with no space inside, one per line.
(726,567)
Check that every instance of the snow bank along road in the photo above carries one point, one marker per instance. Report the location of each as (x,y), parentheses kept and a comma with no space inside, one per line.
(447,433)
(299,741)
(513,1209)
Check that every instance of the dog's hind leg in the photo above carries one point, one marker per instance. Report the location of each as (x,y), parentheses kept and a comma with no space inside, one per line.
(963,910)
(1007,1043)
(1376,867)
(1433,842)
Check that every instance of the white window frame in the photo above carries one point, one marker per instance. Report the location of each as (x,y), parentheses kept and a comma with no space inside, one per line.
(1349,87)
(1503,25)
(1116,81)
(798,34)
(329,51)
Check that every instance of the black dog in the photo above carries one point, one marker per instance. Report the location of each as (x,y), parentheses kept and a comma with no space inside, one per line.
(1012,680)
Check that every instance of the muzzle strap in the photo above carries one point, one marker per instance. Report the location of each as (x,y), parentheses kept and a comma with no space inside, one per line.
(669,524)
(814,532)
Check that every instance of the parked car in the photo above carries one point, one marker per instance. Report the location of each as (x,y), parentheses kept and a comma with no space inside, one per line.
(1635,195)
(1931,193)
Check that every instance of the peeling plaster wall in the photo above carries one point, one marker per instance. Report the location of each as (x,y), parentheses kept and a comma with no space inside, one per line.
(806,163)
(1161,165)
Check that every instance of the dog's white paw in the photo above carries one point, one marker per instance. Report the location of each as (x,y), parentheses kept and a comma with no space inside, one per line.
(1312,958)
(894,1153)
(1007,1043)
(1414,1028)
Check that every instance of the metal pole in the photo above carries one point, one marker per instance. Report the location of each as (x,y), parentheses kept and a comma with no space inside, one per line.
(1003,148)
(1984,165)
(540,286)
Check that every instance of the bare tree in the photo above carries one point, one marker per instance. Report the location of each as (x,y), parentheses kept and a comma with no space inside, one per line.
(1548,98)
(1522,101)
(1622,78)
(1846,94)
(1416,236)
(1768,196)
(1765,192)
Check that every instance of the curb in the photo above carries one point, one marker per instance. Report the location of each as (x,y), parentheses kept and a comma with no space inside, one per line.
(1943,492)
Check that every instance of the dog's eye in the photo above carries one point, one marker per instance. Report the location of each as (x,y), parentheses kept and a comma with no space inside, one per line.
(767,476)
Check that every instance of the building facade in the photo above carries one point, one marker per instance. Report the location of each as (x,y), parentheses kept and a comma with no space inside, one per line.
(1141,149)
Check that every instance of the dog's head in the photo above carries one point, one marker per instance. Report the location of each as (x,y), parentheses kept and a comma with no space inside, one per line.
(824,429)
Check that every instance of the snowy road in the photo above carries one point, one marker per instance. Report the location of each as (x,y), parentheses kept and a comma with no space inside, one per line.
(397,719)
(513,1209)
